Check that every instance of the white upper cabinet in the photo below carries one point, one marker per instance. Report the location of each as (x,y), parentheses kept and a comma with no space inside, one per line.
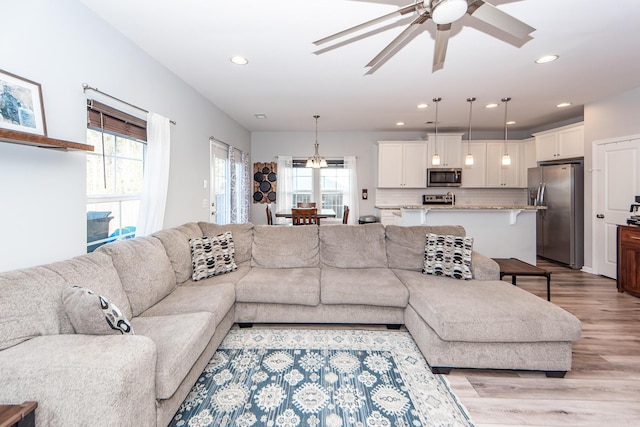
(562,143)
(402,164)
(448,147)
(500,176)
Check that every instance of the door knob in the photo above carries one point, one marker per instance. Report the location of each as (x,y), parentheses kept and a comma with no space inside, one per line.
(600,216)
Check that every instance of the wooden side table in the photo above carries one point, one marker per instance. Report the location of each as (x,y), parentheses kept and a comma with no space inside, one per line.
(514,267)
(23,415)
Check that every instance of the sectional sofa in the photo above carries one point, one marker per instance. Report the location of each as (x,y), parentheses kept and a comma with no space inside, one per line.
(359,274)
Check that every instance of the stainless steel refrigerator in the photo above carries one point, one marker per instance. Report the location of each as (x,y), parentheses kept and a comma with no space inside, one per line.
(559,227)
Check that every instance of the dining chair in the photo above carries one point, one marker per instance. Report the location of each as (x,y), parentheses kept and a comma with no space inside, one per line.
(305,216)
(345,214)
(269,215)
(306,204)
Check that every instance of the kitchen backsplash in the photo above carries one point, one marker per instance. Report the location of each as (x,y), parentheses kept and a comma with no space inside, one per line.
(464,196)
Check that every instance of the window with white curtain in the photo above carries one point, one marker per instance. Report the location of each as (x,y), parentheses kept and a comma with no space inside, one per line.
(327,187)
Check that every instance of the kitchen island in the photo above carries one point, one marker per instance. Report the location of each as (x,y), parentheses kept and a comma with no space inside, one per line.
(506,231)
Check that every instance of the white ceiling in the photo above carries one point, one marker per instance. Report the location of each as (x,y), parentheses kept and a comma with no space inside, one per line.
(598,43)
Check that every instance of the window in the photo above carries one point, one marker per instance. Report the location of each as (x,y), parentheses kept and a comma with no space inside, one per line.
(326,186)
(114,180)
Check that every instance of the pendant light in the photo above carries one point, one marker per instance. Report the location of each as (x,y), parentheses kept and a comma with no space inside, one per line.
(468,161)
(316,161)
(435,159)
(506,159)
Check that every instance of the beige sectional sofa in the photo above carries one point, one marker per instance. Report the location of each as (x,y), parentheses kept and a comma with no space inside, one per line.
(360,274)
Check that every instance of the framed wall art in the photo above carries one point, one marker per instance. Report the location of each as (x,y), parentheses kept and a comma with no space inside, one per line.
(21,106)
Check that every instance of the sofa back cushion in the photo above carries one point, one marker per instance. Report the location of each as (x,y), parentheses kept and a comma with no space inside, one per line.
(96,272)
(31,305)
(176,244)
(285,247)
(353,246)
(405,245)
(144,269)
(242,238)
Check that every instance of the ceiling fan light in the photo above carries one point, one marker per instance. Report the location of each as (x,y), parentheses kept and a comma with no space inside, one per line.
(447,11)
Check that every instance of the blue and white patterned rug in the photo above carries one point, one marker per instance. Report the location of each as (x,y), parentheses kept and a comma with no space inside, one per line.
(312,378)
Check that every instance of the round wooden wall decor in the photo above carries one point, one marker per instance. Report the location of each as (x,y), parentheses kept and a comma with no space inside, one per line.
(264,182)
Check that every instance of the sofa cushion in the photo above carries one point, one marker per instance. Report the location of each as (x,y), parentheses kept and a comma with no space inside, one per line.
(242,237)
(353,246)
(362,286)
(280,286)
(215,298)
(93,314)
(447,255)
(95,271)
(285,247)
(212,255)
(176,244)
(144,269)
(232,277)
(180,339)
(486,311)
(405,245)
(31,305)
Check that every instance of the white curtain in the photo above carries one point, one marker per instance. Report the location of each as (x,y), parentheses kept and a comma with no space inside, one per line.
(284,188)
(156,176)
(351,196)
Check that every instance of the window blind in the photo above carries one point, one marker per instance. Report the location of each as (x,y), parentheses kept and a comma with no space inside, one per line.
(115,121)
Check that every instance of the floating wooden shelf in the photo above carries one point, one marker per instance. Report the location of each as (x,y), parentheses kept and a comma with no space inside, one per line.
(23,138)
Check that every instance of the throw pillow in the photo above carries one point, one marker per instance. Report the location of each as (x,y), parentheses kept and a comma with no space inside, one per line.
(93,314)
(212,255)
(448,256)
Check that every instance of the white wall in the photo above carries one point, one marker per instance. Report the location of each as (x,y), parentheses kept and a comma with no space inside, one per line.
(611,117)
(265,146)
(61,45)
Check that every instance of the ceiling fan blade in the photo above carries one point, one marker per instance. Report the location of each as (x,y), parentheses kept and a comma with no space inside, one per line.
(395,50)
(401,11)
(415,25)
(493,16)
(440,50)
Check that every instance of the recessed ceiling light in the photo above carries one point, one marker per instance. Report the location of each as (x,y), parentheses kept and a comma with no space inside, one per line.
(511,122)
(239,60)
(547,58)
(492,105)
(422,106)
(399,123)
(260,116)
(563,104)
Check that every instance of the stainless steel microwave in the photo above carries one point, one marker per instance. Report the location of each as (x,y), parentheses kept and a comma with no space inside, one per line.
(444,177)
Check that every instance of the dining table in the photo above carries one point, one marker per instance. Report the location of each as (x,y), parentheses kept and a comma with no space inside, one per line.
(322,213)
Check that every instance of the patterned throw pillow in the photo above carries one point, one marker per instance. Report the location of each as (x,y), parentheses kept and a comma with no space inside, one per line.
(448,256)
(93,314)
(213,255)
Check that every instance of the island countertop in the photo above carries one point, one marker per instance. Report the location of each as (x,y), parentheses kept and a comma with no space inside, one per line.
(464,207)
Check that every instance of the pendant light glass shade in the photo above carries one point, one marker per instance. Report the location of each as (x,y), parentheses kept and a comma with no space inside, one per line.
(468,160)
(435,159)
(506,159)
(316,161)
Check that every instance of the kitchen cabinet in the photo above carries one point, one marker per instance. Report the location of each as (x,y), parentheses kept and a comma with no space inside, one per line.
(402,164)
(475,176)
(561,143)
(499,176)
(449,148)
(628,262)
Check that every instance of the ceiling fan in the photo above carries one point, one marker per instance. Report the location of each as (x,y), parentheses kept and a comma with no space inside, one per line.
(443,13)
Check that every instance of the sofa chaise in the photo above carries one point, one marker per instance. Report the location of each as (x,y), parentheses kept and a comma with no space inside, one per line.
(358,274)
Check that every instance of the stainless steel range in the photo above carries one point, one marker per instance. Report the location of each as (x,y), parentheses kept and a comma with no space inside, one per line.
(439,199)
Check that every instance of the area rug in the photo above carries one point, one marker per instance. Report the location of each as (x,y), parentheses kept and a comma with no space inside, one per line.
(313,378)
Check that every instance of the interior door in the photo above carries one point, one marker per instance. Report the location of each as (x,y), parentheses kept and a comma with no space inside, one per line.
(219,209)
(616,181)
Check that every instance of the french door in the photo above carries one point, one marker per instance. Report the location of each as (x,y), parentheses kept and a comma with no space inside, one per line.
(220,191)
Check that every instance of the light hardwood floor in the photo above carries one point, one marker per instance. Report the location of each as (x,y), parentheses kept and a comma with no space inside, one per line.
(603,387)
